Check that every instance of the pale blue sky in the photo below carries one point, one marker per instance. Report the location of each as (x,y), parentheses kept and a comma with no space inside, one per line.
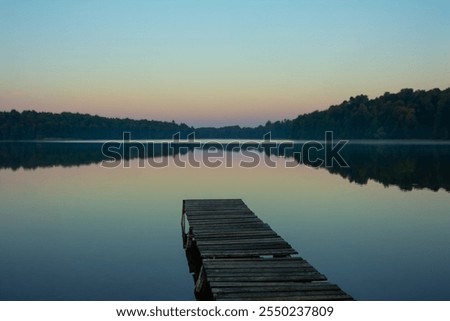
(216,62)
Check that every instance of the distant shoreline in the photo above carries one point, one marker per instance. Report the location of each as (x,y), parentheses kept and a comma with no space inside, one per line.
(241,140)
(406,115)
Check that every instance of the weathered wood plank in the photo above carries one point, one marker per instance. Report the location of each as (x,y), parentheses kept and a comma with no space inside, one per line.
(227,222)
(248,287)
(242,237)
(211,205)
(239,241)
(231,284)
(280,260)
(234,226)
(207,218)
(220,214)
(259,272)
(226,229)
(300,277)
(215,201)
(224,212)
(236,236)
(265,231)
(235,253)
(286,297)
(282,293)
(231,229)
(226,219)
(203,200)
(259,266)
(253,245)
(217,208)
(246,263)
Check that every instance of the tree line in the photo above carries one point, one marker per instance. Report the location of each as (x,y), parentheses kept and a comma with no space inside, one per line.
(45,125)
(407,114)
(30,125)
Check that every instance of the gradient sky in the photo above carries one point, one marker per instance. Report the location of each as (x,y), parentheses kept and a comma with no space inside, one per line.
(218,62)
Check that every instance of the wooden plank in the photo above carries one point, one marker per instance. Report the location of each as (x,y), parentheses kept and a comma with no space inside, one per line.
(210,205)
(241,237)
(213,200)
(254,263)
(259,266)
(234,226)
(205,232)
(234,236)
(286,297)
(214,230)
(253,284)
(224,226)
(220,287)
(280,259)
(225,211)
(250,252)
(273,243)
(282,293)
(203,200)
(231,229)
(259,272)
(300,277)
(237,229)
(238,241)
(242,261)
(216,209)
(242,245)
(227,222)
(221,217)
(198,219)
(259,269)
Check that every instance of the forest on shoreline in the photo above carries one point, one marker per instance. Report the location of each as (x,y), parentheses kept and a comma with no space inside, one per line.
(407,114)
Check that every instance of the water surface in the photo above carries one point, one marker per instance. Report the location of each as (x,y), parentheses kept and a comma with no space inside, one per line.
(72,230)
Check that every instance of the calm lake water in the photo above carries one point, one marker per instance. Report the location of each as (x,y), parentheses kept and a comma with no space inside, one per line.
(73,230)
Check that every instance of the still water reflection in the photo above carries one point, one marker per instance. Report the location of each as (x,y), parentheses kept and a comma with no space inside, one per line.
(72,230)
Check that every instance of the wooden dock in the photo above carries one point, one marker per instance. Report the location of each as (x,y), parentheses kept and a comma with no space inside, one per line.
(234,255)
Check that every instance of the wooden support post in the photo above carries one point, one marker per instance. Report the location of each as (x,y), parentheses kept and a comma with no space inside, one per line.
(200,280)
(183,222)
(189,241)
(183,228)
